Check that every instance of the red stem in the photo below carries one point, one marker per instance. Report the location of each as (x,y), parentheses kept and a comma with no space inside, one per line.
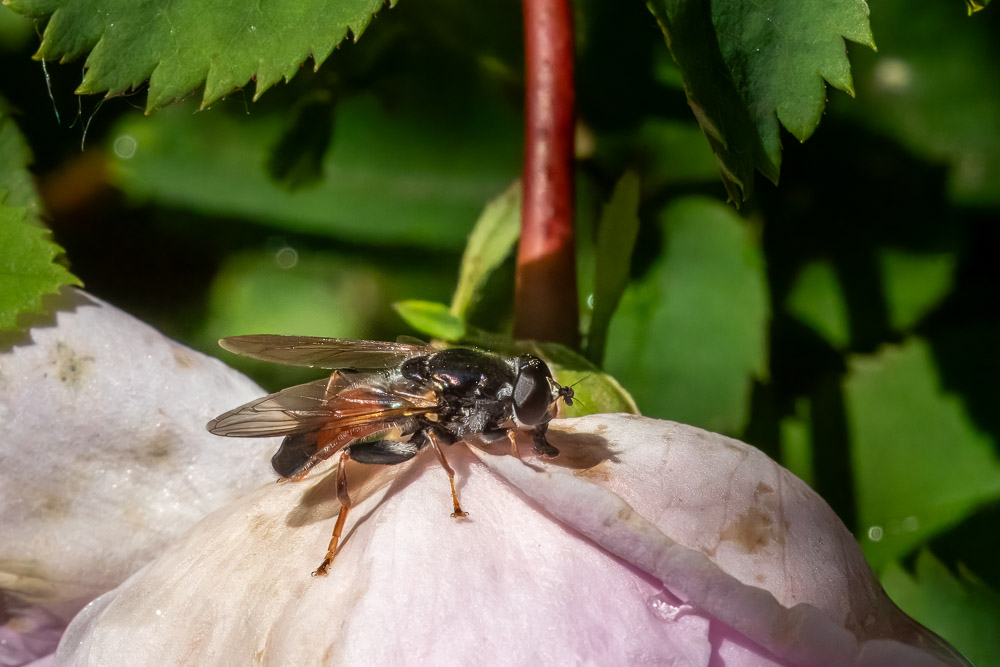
(545,291)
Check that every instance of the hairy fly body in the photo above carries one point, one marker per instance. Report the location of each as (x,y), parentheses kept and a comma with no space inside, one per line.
(384,402)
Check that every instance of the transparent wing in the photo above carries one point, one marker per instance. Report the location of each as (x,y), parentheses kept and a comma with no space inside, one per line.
(324,352)
(342,401)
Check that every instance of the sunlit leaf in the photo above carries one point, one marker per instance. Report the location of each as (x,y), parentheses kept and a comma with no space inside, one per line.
(690,337)
(616,234)
(490,242)
(596,391)
(28,269)
(431,318)
(920,463)
(961,609)
(181,45)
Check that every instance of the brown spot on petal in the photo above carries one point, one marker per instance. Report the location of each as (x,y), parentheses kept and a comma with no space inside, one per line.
(753,530)
(53,507)
(72,367)
(160,446)
(184,358)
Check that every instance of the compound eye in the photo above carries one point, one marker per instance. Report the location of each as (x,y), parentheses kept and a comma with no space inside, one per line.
(532,391)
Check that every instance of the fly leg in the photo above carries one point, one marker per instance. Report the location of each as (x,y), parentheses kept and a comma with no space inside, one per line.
(345,507)
(379,452)
(458,513)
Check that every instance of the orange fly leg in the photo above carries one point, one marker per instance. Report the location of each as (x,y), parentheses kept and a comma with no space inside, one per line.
(458,513)
(512,436)
(345,507)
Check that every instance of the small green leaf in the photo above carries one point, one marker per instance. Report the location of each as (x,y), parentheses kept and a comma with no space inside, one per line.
(960,608)
(976,5)
(27,266)
(181,45)
(616,234)
(689,338)
(817,299)
(490,242)
(431,318)
(920,463)
(595,391)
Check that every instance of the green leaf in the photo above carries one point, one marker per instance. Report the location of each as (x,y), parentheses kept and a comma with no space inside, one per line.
(817,299)
(28,269)
(976,5)
(960,608)
(713,95)
(797,442)
(920,463)
(689,338)
(180,45)
(749,65)
(616,234)
(16,186)
(407,176)
(934,87)
(780,52)
(914,284)
(27,266)
(431,318)
(595,391)
(490,242)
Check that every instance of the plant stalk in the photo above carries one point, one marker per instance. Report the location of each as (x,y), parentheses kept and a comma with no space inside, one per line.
(545,290)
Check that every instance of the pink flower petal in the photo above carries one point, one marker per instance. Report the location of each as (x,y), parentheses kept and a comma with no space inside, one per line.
(508,586)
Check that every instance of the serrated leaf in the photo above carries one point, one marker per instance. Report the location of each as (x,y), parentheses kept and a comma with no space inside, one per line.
(616,235)
(780,52)
(27,255)
(713,95)
(920,462)
(689,338)
(431,318)
(27,267)
(961,609)
(181,45)
(748,65)
(490,242)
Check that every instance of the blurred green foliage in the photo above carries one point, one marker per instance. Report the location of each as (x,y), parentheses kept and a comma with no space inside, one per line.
(846,321)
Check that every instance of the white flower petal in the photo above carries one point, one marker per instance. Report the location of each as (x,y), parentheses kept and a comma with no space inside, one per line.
(104,456)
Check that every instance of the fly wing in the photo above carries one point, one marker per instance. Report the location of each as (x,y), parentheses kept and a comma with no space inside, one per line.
(324,352)
(342,401)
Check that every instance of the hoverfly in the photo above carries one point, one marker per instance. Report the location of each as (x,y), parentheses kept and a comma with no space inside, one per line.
(384,402)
